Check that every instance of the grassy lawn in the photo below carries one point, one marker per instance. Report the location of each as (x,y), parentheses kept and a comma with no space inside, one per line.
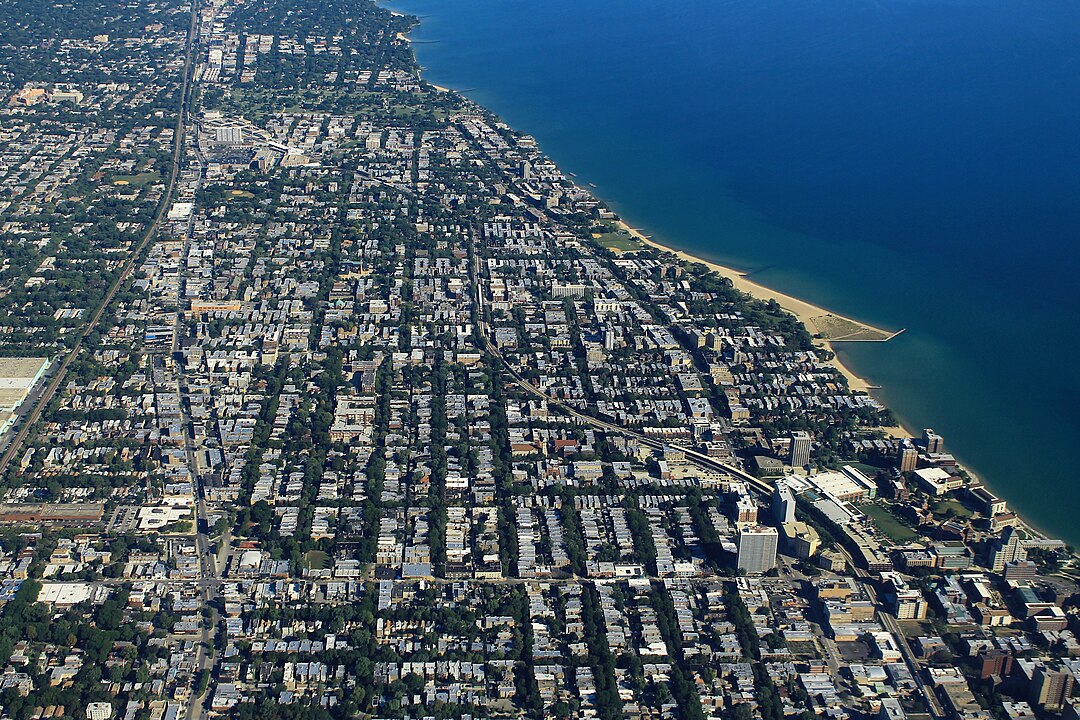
(620,241)
(831,327)
(888,524)
(941,507)
(241,193)
(316,559)
(140,180)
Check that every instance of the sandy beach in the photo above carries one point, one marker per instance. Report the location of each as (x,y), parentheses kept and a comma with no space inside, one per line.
(814,317)
(826,326)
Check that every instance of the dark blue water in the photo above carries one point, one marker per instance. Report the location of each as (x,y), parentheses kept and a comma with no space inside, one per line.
(910,163)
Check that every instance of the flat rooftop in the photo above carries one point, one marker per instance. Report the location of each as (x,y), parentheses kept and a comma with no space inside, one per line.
(836,484)
(65,594)
(17,376)
(51,512)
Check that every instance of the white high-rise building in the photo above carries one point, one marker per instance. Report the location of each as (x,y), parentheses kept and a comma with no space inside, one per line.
(1007,549)
(229,135)
(757,549)
(783,503)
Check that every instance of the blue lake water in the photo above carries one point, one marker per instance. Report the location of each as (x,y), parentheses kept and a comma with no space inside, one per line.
(911,163)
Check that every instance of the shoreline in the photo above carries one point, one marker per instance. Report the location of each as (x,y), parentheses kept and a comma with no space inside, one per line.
(803,310)
(806,312)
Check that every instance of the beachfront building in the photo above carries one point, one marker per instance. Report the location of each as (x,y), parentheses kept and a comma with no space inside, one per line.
(937,481)
(907,456)
(933,442)
(1007,549)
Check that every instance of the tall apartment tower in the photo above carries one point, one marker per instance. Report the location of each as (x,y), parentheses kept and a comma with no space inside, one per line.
(783,503)
(934,443)
(757,549)
(907,456)
(799,455)
(1007,549)
(1052,688)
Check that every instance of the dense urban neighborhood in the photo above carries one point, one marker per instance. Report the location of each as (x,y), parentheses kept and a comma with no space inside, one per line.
(325,394)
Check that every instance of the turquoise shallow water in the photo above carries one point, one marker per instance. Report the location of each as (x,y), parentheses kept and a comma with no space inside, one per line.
(912,163)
